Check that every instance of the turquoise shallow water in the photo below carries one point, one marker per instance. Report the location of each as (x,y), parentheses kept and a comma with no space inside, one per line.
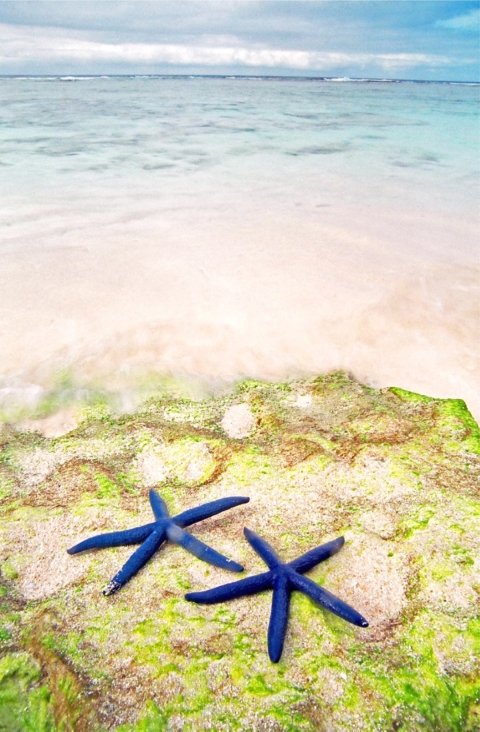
(278,137)
(225,227)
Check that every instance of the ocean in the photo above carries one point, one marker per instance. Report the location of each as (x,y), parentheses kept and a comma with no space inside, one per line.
(207,229)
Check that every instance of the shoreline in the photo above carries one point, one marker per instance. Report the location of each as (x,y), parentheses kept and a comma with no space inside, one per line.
(393,300)
(56,411)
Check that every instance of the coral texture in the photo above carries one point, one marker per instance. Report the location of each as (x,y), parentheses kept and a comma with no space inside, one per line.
(395,473)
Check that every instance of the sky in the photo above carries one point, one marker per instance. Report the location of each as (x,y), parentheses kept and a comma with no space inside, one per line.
(403,39)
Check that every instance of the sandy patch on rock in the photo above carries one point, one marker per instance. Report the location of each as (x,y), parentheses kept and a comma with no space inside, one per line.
(35,465)
(379,522)
(238,421)
(379,482)
(455,593)
(200,464)
(185,461)
(454,657)
(303,401)
(371,576)
(39,463)
(151,467)
(37,551)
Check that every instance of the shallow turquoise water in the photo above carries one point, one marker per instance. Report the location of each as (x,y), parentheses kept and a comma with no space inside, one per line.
(279,138)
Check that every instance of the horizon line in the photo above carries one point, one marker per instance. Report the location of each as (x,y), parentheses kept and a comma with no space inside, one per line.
(73,76)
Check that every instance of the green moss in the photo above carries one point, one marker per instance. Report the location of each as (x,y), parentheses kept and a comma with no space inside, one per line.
(257,686)
(416,520)
(6,486)
(69,645)
(411,396)
(249,465)
(462,555)
(8,571)
(107,488)
(454,416)
(152,637)
(290,720)
(419,685)
(336,380)
(440,572)
(406,456)
(146,628)
(24,702)
(100,412)
(154,720)
(8,456)
(5,635)
(455,413)
(249,385)
(192,461)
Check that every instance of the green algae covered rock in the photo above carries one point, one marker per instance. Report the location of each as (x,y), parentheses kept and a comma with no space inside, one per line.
(395,473)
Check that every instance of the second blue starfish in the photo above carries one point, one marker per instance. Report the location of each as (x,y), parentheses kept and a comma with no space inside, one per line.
(151,537)
(283,579)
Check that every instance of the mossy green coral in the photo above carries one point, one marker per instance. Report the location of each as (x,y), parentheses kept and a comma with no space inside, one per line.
(24,701)
(396,473)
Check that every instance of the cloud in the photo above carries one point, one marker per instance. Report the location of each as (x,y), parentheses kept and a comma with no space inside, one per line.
(26,44)
(468,21)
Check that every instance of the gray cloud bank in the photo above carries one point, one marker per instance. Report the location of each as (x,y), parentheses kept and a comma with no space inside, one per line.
(331,38)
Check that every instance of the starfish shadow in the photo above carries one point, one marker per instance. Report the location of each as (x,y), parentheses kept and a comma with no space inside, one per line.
(283,579)
(152,536)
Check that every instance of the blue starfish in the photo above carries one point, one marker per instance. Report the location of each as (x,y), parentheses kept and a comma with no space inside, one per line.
(283,579)
(151,536)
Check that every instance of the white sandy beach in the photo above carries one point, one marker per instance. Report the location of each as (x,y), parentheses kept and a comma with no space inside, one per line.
(388,294)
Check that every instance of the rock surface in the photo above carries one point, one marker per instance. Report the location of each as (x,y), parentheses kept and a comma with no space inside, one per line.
(394,472)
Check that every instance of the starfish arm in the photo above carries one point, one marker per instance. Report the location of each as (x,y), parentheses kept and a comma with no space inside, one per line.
(278,618)
(192,515)
(201,550)
(158,505)
(264,550)
(315,556)
(327,600)
(247,586)
(136,562)
(115,538)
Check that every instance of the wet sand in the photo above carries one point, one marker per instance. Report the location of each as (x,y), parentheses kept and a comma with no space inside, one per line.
(389,294)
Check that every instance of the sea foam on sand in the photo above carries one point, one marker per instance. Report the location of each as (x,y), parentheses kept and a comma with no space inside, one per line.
(390,294)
